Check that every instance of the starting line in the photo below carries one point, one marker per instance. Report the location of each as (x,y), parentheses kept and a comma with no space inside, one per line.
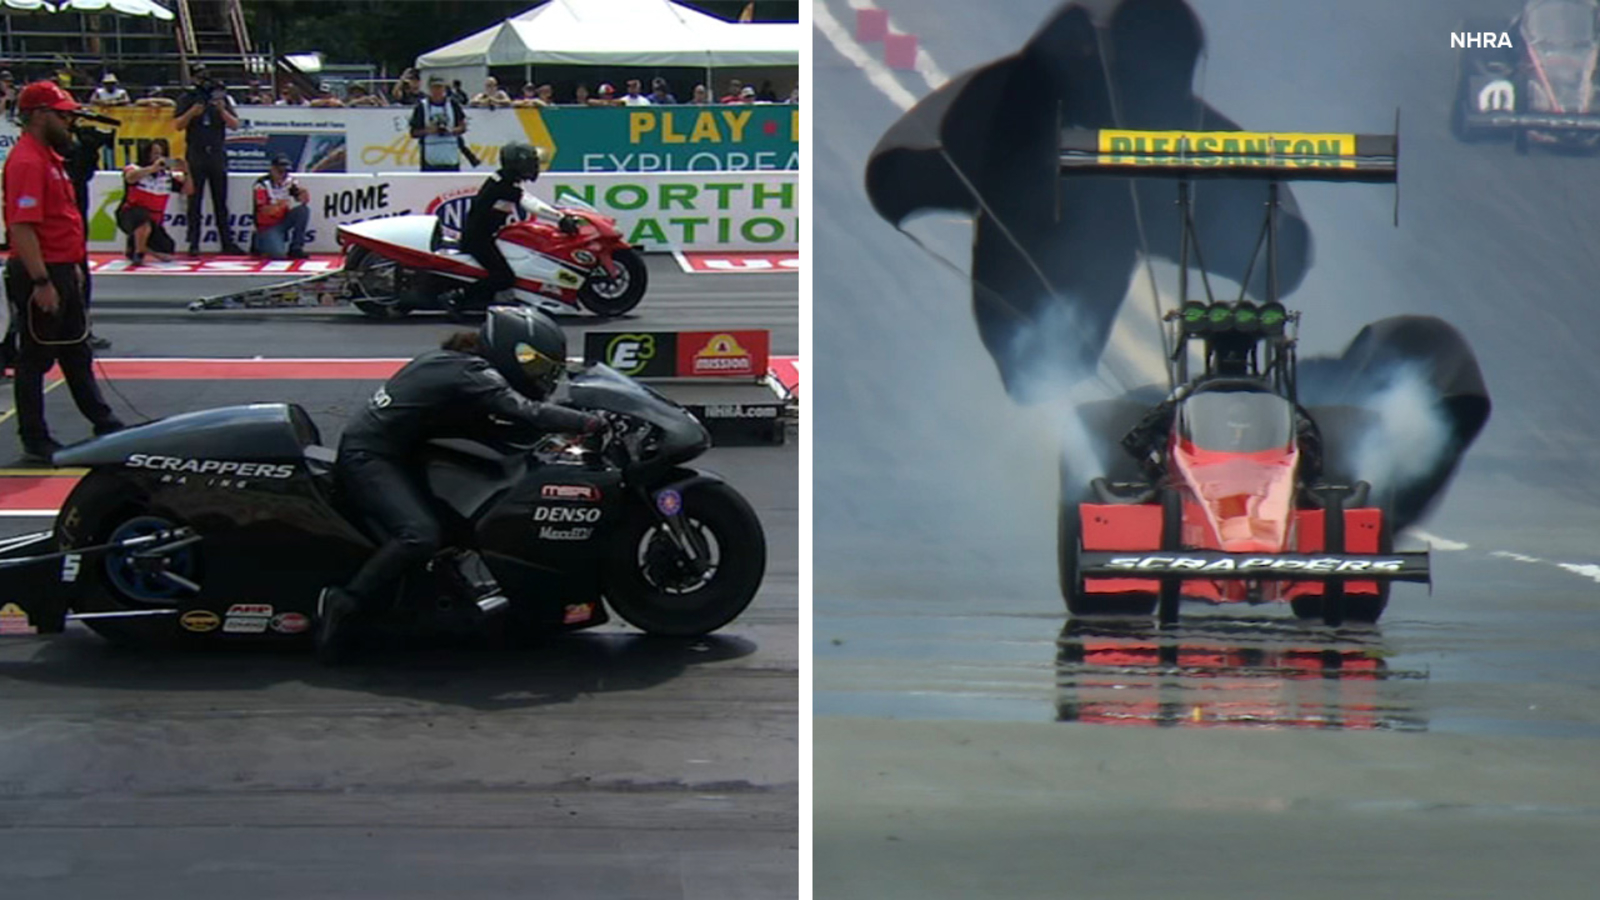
(117,264)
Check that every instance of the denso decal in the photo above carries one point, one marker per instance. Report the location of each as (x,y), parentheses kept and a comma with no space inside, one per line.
(585,492)
(548,533)
(208,466)
(565,514)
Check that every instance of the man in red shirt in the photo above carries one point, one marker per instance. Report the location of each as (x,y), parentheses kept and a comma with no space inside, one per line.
(44,276)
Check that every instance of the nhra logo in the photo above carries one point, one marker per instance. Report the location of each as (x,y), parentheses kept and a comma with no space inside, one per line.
(722,355)
(451,208)
(585,492)
(565,514)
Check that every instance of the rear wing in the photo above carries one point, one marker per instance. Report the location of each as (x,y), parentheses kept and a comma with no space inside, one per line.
(1271,156)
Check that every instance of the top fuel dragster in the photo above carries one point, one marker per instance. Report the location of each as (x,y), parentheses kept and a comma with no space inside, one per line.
(1222,495)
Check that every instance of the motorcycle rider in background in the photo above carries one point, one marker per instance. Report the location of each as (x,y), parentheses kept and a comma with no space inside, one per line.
(492,382)
(499,197)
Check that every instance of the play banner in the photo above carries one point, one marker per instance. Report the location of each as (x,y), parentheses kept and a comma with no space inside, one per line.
(656,211)
(717,138)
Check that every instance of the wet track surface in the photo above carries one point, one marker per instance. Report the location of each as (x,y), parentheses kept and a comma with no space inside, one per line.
(595,764)
(1466,721)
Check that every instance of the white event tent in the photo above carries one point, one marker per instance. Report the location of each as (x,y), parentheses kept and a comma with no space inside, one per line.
(620,33)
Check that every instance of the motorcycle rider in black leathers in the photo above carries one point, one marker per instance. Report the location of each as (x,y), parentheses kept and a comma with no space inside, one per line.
(499,197)
(492,381)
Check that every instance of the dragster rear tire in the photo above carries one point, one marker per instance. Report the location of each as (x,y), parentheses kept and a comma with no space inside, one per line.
(1079,602)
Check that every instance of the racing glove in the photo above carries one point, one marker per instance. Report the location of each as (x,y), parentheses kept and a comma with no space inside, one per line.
(570,224)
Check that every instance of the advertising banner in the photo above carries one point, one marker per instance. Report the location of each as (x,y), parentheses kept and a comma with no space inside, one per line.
(681,354)
(656,211)
(718,138)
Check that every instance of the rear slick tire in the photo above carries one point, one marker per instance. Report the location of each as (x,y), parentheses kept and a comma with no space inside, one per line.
(361,264)
(1171,539)
(101,505)
(741,562)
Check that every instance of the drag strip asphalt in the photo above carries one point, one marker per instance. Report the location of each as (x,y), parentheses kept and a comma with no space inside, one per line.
(1445,753)
(595,764)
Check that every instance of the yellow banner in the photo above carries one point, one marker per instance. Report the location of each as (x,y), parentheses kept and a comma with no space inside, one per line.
(1212,148)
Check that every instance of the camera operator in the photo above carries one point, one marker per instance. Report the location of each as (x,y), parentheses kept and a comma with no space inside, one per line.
(206,113)
(44,276)
(282,212)
(438,123)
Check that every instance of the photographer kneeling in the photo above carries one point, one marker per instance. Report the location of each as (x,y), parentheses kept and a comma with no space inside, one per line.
(282,213)
(144,205)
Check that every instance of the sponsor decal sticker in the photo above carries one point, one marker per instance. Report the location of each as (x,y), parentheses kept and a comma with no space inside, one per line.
(247,618)
(585,492)
(1215,148)
(27,202)
(630,353)
(584,257)
(549,533)
(575,613)
(290,623)
(669,502)
(200,621)
(568,279)
(565,514)
(1255,563)
(13,620)
(208,466)
(722,355)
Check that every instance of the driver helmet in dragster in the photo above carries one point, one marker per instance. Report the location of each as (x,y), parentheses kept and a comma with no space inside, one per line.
(526,347)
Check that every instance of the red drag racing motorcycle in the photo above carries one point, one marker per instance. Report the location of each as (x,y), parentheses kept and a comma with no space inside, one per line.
(404,263)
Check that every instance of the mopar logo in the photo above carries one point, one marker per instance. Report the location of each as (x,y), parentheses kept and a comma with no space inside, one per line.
(565,514)
(1261,563)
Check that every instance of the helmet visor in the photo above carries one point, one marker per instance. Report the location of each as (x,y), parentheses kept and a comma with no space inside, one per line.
(539,368)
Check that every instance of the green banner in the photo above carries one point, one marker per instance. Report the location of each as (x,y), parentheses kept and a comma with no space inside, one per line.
(719,138)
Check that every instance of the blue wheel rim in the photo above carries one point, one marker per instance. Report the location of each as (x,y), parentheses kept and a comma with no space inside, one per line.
(140,586)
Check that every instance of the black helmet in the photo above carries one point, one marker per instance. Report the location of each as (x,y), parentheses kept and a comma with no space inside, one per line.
(526,346)
(520,160)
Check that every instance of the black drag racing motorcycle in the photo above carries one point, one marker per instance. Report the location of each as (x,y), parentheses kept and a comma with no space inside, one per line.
(225,524)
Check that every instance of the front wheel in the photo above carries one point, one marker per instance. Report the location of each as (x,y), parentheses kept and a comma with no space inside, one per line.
(607,295)
(653,589)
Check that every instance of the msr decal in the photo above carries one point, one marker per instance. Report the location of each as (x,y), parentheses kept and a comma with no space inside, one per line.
(585,492)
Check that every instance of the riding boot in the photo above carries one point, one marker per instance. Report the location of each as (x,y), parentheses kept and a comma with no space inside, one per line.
(337,617)
(477,584)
